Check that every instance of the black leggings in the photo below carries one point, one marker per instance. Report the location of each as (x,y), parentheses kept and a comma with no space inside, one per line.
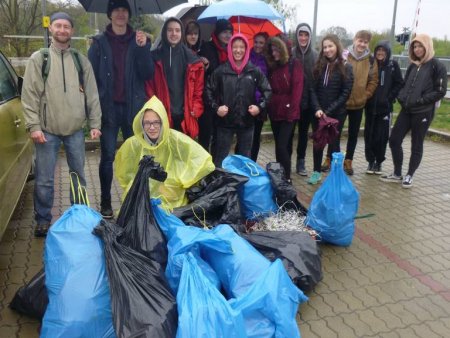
(418,124)
(306,117)
(282,133)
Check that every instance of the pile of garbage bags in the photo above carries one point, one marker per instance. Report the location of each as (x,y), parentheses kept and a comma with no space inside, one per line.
(191,273)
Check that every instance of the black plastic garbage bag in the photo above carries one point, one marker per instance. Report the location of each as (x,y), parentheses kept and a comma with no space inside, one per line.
(141,231)
(142,304)
(32,298)
(285,193)
(214,200)
(299,253)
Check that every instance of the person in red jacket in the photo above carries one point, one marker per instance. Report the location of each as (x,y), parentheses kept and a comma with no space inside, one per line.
(178,80)
(286,81)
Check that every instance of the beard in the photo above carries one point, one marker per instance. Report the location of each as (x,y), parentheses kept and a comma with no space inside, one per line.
(61,38)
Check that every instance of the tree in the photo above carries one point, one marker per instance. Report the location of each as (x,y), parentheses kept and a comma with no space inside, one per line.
(19,17)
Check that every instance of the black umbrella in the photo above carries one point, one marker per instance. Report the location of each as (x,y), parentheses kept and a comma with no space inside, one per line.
(137,6)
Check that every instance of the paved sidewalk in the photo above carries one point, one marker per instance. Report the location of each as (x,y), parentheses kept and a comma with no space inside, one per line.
(393,281)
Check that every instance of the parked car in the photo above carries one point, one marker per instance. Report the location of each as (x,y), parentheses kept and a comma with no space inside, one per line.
(16,148)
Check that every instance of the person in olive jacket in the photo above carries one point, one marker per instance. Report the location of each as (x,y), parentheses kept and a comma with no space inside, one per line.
(380,106)
(425,85)
(230,93)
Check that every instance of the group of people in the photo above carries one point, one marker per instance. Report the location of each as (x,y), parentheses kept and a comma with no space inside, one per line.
(185,101)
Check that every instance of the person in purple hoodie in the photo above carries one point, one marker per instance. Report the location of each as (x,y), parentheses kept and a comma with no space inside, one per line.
(230,92)
(258,59)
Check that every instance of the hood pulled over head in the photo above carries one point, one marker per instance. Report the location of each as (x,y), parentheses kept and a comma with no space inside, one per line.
(427,43)
(236,68)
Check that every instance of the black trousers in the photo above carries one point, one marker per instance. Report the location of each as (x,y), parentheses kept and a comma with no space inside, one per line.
(282,134)
(306,118)
(354,124)
(256,139)
(418,124)
(376,137)
(206,133)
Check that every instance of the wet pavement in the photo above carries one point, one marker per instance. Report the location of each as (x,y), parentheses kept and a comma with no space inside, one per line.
(393,281)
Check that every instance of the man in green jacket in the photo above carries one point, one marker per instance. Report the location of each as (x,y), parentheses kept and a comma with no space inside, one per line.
(56,107)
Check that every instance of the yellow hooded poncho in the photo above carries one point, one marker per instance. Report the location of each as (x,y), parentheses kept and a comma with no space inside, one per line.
(184,160)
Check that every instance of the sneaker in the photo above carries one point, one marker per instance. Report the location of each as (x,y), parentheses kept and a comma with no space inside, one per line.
(315,178)
(377,169)
(391,178)
(106,209)
(301,170)
(407,182)
(326,165)
(41,230)
(348,167)
(370,168)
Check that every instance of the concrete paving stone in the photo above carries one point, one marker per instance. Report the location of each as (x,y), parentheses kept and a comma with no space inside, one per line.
(405,315)
(8,317)
(8,330)
(351,278)
(19,260)
(442,277)
(321,305)
(321,329)
(380,273)
(24,233)
(336,324)
(305,331)
(371,318)
(360,327)
(337,304)
(424,330)
(5,260)
(378,293)
(428,264)
(391,319)
(350,299)
(307,312)
(21,246)
(28,330)
(409,332)
(417,306)
(35,259)
(440,303)
(366,298)
(31,272)
(6,249)
(16,275)
(438,327)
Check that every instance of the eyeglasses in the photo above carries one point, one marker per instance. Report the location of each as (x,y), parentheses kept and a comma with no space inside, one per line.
(149,124)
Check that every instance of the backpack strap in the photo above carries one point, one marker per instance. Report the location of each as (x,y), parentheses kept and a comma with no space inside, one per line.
(45,68)
(79,67)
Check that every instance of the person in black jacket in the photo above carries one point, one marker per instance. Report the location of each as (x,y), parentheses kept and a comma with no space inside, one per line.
(379,108)
(230,93)
(122,62)
(425,85)
(215,53)
(331,87)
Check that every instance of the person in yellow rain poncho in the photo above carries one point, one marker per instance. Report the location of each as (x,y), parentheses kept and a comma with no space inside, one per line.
(184,160)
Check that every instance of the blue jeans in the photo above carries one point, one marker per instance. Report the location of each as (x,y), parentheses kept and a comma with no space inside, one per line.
(46,157)
(108,145)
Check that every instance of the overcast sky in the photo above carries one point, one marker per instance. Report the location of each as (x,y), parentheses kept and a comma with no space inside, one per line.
(375,15)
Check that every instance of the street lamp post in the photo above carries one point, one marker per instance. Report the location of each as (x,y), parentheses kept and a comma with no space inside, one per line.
(393,24)
(314,34)
(44,22)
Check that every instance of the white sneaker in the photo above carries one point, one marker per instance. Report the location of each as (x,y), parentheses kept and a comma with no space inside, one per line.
(392,178)
(407,182)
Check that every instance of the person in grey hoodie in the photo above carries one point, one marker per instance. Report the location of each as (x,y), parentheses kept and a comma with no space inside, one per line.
(307,55)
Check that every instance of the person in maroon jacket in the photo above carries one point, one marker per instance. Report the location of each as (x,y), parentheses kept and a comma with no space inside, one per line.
(286,80)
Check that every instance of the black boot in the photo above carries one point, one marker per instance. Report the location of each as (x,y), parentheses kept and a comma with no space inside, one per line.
(106,209)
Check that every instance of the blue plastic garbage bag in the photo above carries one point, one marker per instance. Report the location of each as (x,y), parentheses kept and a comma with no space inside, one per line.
(76,279)
(256,196)
(202,309)
(334,206)
(183,239)
(270,305)
(239,270)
